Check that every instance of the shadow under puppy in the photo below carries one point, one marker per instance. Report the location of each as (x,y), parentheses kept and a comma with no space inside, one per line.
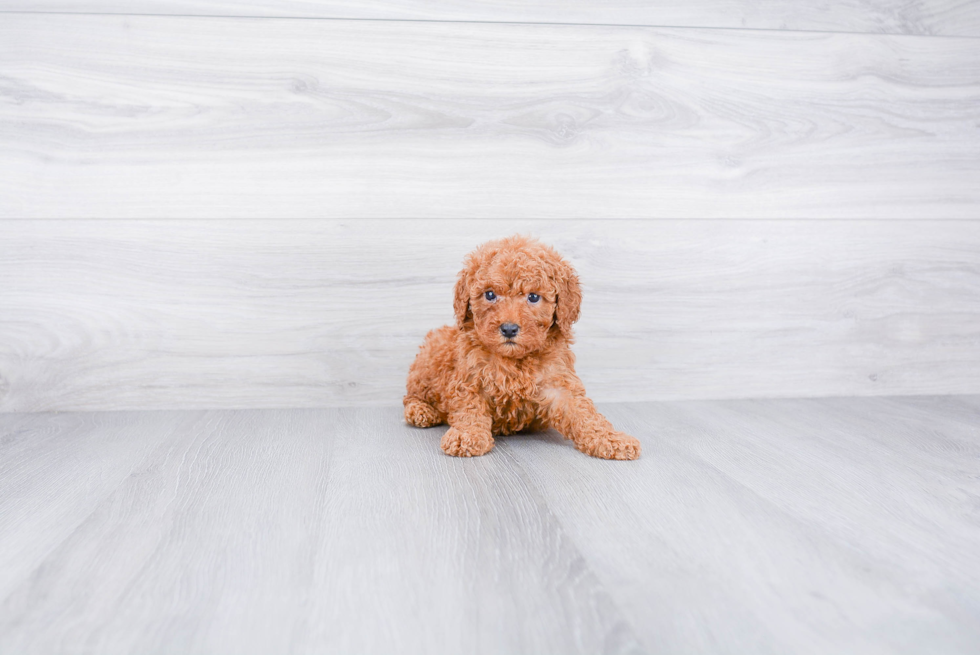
(506,365)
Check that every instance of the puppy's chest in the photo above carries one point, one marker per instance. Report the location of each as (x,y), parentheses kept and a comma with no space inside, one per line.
(511,397)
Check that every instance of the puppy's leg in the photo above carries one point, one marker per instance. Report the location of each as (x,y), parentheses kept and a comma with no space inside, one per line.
(421,414)
(577,419)
(427,379)
(469,434)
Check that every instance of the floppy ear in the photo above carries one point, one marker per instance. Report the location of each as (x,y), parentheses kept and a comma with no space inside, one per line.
(569,299)
(461,299)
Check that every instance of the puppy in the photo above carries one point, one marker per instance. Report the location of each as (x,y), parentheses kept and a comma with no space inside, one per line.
(506,365)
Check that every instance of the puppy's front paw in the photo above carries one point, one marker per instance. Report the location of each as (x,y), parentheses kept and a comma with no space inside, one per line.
(615,445)
(422,415)
(463,444)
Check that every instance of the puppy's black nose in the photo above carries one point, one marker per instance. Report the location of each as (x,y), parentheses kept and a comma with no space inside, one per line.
(510,330)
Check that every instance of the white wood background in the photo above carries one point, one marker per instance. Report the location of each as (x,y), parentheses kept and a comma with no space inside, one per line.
(161,117)
(862,148)
(162,314)
(929,17)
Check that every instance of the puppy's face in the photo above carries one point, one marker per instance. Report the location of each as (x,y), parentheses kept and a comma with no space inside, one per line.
(512,319)
(515,291)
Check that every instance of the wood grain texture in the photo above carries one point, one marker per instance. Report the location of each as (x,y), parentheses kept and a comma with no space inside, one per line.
(164,117)
(838,525)
(306,313)
(925,17)
(55,470)
(316,531)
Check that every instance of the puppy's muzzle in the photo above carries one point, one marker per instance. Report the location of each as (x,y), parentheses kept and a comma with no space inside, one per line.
(510,330)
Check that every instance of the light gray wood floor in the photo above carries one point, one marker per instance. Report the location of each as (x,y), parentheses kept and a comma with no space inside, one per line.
(824,526)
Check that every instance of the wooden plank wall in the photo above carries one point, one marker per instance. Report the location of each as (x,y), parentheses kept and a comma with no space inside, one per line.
(158,314)
(165,117)
(212,211)
(927,17)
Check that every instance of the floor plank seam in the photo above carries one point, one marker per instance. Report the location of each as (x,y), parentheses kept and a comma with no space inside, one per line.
(566,536)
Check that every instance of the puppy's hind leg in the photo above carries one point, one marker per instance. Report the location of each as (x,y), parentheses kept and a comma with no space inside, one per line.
(427,378)
(421,414)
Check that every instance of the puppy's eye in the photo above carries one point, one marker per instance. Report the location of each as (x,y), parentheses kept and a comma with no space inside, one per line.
(533,298)
(490,295)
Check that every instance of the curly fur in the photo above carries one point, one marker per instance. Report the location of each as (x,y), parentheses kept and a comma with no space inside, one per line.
(485,384)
